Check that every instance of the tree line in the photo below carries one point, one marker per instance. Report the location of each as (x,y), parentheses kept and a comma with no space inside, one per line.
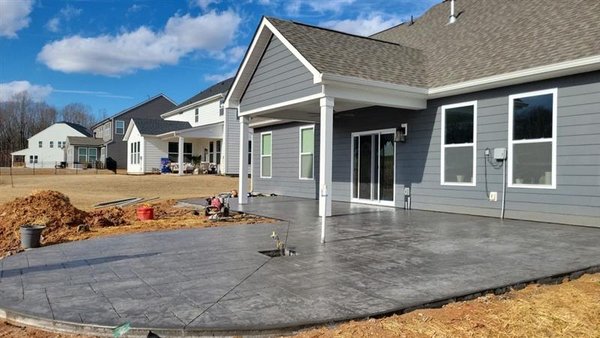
(21,117)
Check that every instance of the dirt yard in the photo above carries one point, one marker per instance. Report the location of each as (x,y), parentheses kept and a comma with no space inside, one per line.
(571,309)
(87,190)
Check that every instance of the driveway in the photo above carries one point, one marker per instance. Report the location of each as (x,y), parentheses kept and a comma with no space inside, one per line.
(202,281)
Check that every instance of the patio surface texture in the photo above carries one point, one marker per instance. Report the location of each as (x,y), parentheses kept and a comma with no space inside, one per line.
(214,281)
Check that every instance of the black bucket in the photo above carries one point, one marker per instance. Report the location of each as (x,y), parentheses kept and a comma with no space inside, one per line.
(30,235)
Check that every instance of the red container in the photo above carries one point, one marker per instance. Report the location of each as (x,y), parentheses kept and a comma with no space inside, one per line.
(145,213)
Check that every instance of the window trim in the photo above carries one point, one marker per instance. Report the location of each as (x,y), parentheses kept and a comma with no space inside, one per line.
(300,153)
(553,139)
(261,154)
(196,115)
(443,145)
(117,127)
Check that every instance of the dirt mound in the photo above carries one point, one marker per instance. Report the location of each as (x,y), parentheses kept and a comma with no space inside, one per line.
(49,208)
(108,217)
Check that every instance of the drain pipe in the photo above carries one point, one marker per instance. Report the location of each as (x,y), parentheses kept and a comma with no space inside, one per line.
(452,15)
(503,190)
(324,216)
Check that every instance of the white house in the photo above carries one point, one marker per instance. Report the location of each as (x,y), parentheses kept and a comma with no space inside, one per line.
(198,128)
(46,149)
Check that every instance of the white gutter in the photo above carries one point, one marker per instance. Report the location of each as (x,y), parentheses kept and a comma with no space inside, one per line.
(192,105)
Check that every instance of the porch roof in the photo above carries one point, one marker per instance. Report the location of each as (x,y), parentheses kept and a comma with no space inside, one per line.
(209,131)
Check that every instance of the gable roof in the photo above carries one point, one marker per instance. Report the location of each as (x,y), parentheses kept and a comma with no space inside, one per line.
(493,37)
(219,88)
(139,105)
(77,127)
(157,127)
(338,53)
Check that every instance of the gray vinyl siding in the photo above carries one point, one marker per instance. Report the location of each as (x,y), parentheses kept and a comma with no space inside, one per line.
(279,77)
(576,199)
(232,144)
(285,178)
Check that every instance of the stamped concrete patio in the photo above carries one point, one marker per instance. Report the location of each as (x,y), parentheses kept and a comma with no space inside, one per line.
(214,281)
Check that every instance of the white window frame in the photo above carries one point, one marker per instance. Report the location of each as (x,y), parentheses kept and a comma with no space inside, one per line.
(553,139)
(196,115)
(261,154)
(300,153)
(117,122)
(473,145)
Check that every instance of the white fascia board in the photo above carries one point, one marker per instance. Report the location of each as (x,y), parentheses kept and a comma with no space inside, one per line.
(129,130)
(276,106)
(414,99)
(253,54)
(188,130)
(522,76)
(192,105)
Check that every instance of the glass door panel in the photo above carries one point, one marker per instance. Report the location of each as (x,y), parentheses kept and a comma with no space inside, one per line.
(386,167)
(373,167)
(365,163)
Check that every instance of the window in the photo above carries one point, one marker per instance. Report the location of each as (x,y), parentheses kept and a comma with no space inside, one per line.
(250,151)
(59,144)
(266,163)
(51,144)
(196,115)
(119,127)
(174,152)
(307,152)
(459,139)
(106,131)
(33,159)
(93,155)
(82,155)
(532,139)
(40,144)
(211,152)
(218,152)
(221,107)
(135,155)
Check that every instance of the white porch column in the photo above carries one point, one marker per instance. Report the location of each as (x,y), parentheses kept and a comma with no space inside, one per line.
(325,155)
(243,167)
(180,156)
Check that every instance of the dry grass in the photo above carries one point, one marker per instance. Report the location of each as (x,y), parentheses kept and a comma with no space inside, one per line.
(571,309)
(87,190)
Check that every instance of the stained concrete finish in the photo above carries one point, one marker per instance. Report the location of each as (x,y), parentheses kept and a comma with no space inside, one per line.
(376,260)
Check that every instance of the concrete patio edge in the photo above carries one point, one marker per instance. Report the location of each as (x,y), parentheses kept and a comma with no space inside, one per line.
(58,326)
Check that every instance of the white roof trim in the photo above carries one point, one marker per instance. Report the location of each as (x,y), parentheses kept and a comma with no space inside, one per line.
(521,76)
(192,105)
(253,56)
(213,127)
(129,130)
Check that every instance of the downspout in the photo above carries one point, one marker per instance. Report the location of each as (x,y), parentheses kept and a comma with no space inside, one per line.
(452,13)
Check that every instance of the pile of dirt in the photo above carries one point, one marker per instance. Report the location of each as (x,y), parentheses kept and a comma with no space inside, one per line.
(49,208)
(113,216)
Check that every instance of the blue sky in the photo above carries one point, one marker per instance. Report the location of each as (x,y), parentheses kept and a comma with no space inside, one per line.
(113,54)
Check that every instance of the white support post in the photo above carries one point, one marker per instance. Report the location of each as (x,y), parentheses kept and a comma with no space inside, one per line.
(180,156)
(325,156)
(243,168)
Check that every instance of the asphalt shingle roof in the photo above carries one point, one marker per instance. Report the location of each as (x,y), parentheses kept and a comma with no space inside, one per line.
(219,88)
(85,141)
(157,127)
(493,37)
(338,53)
(490,37)
(78,127)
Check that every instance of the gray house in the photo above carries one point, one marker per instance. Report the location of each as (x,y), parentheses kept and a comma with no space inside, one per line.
(445,113)
(111,130)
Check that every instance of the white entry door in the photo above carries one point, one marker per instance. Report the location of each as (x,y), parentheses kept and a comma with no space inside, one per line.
(373,167)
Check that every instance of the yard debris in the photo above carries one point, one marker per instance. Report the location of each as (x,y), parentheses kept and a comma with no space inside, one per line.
(64,222)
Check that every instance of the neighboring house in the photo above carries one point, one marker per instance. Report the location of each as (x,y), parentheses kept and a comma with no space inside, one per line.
(84,152)
(205,130)
(419,113)
(112,129)
(46,149)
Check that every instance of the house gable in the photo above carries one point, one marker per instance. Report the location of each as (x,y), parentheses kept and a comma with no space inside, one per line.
(279,76)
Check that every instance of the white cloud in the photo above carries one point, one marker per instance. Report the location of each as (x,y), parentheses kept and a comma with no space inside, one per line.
(363,25)
(36,92)
(14,16)
(142,48)
(204,3)
(219,77)
(293,7)
(230,55)
(65,14)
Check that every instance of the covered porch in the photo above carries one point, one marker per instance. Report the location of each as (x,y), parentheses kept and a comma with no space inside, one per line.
(196,148)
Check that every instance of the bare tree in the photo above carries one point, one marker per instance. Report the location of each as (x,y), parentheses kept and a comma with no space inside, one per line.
(78,113)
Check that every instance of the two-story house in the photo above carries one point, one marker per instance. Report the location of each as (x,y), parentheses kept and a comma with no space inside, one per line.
(199,129)
(46,149)
(112,129)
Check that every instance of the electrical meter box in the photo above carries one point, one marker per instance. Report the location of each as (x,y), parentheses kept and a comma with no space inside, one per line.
(499,154)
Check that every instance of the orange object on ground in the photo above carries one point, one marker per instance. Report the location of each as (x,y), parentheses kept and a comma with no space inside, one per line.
(145,213)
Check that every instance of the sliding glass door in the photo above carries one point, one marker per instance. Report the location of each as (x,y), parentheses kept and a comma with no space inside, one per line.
(373,167)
